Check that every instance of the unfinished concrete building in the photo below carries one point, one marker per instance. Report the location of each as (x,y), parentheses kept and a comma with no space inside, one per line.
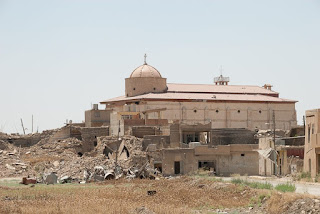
(283,157)
(312,143)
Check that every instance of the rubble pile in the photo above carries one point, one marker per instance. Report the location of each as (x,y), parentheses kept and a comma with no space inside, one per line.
(269,133)
(112,158)
(304,205)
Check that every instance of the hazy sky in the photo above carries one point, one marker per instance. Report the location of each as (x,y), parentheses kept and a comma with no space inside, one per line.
(58,57)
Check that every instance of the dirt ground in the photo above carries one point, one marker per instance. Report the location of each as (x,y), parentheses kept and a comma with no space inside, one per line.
(176,195)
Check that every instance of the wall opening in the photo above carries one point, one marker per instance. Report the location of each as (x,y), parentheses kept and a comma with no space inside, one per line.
(242,155)
(80,154)
(206,165)
(126,150)
(107,151)
(318,163)
(177,167)
(158,166)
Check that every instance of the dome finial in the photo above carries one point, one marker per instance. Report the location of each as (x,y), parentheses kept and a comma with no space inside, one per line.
(145,59)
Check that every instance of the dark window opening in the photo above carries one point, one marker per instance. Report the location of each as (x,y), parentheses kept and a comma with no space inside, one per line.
(309,133)
(126,150)
(134,89)
(80,154)
(158,166)
(318,164)
(217,111)
(260,111)
(107,151)
(242,155)
(95,143)
(238,111)
(137,103)
(154,89)
(206,165)
(195,111)
(177,167)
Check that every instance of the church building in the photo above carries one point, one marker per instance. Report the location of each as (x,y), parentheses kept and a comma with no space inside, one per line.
(150,100)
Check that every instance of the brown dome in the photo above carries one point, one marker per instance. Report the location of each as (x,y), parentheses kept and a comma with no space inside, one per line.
(145,70)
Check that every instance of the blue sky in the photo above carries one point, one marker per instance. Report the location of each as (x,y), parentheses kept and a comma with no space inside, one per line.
(58,57)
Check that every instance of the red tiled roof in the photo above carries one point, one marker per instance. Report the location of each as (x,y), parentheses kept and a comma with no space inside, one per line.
(200,96)
(227,89)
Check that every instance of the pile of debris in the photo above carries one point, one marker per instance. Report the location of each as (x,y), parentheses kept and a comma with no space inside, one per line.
(269,133)
(304,205)
(112,158)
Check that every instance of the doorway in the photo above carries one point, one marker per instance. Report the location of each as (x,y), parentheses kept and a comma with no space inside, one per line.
(177,167)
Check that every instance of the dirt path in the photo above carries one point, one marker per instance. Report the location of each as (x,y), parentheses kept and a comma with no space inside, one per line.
(301,187)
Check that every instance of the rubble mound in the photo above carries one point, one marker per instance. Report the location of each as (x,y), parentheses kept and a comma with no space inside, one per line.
(111,158)
(304,205)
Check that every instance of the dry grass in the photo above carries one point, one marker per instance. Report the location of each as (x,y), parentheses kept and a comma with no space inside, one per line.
(181,195)
(279,202)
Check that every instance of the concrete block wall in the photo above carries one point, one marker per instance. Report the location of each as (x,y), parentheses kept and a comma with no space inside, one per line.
(160,140)
(89,136)
(232,136)
(141,131)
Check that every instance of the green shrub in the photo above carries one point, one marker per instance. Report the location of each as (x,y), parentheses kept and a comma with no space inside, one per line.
(255,185)
(305,175)
(237,181)
(286,187)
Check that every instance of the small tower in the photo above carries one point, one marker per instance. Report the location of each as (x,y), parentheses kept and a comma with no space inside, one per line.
(221,80)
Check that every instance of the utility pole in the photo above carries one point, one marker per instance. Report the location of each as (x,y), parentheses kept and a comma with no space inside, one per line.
(274,127)
(118,144)
(32,125)
(274,140)
(24,131)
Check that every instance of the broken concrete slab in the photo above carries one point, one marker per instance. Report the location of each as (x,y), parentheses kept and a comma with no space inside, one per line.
(51,178)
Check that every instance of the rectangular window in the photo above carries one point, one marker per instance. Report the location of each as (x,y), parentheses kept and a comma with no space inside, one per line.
(309,133)
(126,117)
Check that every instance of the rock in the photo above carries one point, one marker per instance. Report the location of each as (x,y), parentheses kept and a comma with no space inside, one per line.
(10,167)
(143,210)
(98,178)
(56,163)
(51,178)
